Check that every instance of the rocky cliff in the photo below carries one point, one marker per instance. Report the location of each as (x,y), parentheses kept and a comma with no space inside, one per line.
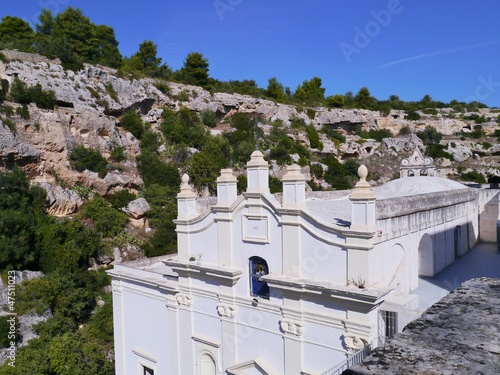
(91,101)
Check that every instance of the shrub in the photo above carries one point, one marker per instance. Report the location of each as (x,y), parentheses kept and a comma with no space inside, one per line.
(132,122)
(22,94)
(117,154)
(3,58)
(430,135)
(209,118)
(437,151)
(82,158)
(412,115)
(430,111)
(473,176)
(183,96)
(311,113)
(111,91)
(317,171)
(487,145)
(378,135)
(93,92)
(154,171)
(10,124)
(121,199)
(333,135)
(162,86)
(336,101)
(106,219)
(405,130)
(23,112)
(4,89)
(313,136)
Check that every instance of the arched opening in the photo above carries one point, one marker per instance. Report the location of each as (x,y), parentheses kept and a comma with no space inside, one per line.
(411,173)
(458,241)
(207,365)
(426,256)
(258,268)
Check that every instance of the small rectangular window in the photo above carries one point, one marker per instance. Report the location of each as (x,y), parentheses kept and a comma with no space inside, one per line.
(390,319)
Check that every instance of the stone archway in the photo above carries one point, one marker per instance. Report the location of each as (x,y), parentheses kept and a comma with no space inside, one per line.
(426,256)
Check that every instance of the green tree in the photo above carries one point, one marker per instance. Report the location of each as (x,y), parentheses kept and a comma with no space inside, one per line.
(21,213)
(155,171)
(146,62)
(16,33)
(311,92)
(365,100)
(275,90)
(335,101)
(107,52)
(195,70)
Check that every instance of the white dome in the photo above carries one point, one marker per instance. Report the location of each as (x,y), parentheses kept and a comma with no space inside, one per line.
(416,185)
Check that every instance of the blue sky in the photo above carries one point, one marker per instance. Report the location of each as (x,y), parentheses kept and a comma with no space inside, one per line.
(449,49)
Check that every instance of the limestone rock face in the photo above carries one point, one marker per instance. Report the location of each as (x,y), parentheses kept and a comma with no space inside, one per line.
(61,201)
(459,152)
(458,335)
(137,208)
(14,149)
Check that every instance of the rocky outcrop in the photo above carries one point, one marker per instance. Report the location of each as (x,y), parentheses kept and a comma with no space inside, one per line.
(15,150)
(136,210)
(61,201)
(458,335)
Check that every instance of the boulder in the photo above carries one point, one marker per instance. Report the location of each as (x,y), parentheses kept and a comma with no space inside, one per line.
(137,208)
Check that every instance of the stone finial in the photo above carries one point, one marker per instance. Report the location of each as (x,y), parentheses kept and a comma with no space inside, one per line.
(257,160)
(257,174)
(227,191)
(293,174)
(226,175)
(186,189)
(294,187)
(362,190)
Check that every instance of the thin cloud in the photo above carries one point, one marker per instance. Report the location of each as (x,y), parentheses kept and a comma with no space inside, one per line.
(443,52)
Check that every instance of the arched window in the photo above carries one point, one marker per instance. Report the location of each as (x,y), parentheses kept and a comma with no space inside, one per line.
(411,173)
(207,365)
(258,268)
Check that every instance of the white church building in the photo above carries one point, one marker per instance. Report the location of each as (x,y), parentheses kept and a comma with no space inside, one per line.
(291,283)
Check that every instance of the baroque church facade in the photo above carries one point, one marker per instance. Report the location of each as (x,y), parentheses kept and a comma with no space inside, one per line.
(293,283)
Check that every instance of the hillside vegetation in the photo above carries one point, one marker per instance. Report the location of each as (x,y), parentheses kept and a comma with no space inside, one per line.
(85,131)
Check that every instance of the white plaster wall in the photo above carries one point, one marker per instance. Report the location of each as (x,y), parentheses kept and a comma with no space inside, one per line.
(320,260)
(153,340)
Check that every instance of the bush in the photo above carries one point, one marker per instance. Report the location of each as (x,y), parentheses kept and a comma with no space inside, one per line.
(154,171)
(473,176)
(121,198)
(22,94)
(313,136)
(117,154)
(333,135)
(430,135)
(82,158)
(378,135)
(111,91)
(4,89)
(132,122)
(209,118)
(405,130)
(107,220)
(437,151)
(23,112)
(412,115)
(162,86)
(311,113)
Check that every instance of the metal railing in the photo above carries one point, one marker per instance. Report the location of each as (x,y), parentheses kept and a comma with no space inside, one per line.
(353,360)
